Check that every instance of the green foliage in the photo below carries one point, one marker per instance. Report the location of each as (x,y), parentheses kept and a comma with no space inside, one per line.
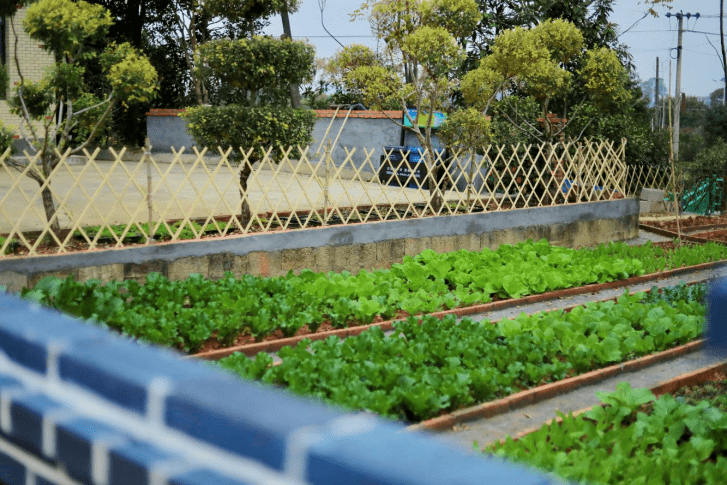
(715,124)
(458,17)
(348,59)
(260,63)
(694,116)
(644,146)
(37,98)
(466,128)
(674,294)
(713,158)
(65,27)
(6,138)
(430,366)
(605,79)
(130,74)
(242,127)
(632,438)
(531,58)
(379,86)
(69,30)
(249,9)
(434,49)
(350,90)
(427,283)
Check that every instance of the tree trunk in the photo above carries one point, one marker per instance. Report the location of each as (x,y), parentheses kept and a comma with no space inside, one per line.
(49,206)
(245,173)
(294,88)
(435,189)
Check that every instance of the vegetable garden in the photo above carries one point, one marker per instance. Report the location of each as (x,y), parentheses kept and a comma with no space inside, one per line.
(432,365)
(198,313)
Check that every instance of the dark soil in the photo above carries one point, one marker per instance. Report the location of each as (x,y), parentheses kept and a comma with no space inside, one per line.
(244,339)
(688,224)
(716,235)
(713,391)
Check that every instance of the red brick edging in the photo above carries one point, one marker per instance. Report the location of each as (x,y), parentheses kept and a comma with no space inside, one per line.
(275,345)
(685,237)
(546,391)
(687,379)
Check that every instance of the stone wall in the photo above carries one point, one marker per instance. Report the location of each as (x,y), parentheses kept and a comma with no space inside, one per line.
(337,248)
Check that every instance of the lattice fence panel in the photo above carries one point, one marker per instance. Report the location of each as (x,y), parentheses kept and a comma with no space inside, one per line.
(140,199)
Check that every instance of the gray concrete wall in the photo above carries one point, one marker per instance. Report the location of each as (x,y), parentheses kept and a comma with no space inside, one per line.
(358,134)
(168,131)
(337,248)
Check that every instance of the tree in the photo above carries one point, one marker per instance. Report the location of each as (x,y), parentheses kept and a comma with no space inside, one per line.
(716,97)
(590,17)
(423,55)
(256,115)
(343,63)
(695,113)
(532,63)
(715,124)
(59,114)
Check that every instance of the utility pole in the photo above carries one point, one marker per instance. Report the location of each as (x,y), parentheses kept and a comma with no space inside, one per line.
(656,93)
(678,92)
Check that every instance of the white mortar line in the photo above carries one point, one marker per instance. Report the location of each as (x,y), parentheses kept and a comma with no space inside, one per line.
(35,466)
(194,451)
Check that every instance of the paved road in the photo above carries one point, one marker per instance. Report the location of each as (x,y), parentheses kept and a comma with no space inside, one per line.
(118,193)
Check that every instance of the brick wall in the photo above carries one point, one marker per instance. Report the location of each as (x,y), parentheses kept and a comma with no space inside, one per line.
(79,404)
(32,58)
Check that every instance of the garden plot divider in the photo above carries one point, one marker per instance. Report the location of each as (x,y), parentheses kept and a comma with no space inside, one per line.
(80,404)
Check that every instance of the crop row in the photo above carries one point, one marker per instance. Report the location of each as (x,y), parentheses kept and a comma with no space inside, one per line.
(185,314)
(633,439)
(425,368)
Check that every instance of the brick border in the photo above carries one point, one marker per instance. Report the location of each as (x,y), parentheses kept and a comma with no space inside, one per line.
(690,378)
(546,391)
(274,345)
(685,237)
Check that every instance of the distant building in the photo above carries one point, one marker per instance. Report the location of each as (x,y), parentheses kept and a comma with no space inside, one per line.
(649,90)
(32,58)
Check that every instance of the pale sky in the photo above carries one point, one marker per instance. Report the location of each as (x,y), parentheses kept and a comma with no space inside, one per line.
(648,39)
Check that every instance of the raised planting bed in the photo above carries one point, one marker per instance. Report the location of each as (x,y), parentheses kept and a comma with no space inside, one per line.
(215,318)
(635,437)
(688,224)
(430,367)
(697,229)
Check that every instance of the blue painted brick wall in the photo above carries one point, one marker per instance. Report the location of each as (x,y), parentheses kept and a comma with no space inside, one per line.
(79,404)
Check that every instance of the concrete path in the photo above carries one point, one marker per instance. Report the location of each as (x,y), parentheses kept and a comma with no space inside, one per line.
(105,192)
(486,431)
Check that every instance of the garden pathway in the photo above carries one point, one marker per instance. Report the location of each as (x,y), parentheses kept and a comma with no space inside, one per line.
(492,429)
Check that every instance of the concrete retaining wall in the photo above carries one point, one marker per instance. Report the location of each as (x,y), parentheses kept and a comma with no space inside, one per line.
(337,248)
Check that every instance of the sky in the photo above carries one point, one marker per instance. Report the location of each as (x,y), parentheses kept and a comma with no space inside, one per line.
(648,39)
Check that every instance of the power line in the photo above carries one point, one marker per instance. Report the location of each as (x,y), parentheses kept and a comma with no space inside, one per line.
(700,32)
(632,25)
(326,36)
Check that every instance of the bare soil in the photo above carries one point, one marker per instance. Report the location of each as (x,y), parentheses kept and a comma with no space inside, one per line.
(688,224)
